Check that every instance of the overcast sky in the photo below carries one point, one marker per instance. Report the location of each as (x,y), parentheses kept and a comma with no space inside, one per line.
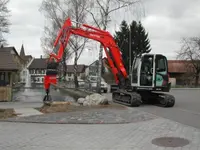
(165,21)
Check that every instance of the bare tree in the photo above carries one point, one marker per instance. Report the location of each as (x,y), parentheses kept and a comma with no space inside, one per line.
(101,13)
(4,22)
(57,11)
(190,51)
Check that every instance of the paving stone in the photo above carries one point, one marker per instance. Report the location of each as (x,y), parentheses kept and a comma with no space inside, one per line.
(137,135)
(91,116)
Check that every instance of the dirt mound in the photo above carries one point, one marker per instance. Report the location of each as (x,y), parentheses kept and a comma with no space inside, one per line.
(7,113)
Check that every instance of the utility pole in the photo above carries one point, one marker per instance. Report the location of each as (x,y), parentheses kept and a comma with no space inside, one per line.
(130,51)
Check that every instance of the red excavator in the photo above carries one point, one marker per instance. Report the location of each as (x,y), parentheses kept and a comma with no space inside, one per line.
(149,77)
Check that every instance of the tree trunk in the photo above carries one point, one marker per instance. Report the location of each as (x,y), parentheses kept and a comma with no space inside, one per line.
(76,48)
(101,55)
(64,66)
(99,70)
(75,71)
(197,80)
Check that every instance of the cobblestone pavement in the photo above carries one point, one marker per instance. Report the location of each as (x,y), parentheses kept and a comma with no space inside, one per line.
(89,116)
(133,136)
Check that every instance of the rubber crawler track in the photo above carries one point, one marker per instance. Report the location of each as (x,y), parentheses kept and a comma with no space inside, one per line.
(132,99)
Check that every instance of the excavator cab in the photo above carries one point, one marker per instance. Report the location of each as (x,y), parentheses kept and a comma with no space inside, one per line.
(150,72)
(149,78)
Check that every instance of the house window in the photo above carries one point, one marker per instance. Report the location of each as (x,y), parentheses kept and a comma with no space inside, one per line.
(69,74)
(2,76)
(40,71)
(44,71)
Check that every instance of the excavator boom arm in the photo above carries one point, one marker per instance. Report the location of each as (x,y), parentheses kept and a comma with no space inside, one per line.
(110,47)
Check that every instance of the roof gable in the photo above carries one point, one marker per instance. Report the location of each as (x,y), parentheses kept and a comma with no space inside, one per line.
(6,59)
(38,63)
(22,53)
(80,68)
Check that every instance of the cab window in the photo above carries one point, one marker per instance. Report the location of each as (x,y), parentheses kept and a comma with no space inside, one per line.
(161,64)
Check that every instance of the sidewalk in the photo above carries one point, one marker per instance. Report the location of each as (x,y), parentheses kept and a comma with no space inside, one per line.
(24,112)
(23,108)
(126,129)
(131,136)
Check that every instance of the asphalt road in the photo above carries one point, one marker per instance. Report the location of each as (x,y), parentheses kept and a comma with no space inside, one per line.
(185,111)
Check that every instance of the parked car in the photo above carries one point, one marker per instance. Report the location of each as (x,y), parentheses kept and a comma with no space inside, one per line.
(91,84)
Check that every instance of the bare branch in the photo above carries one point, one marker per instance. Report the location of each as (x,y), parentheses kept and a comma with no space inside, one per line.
(122,6)
(190,51)
(4,22)
(83,45)
(93,17)
(102,8)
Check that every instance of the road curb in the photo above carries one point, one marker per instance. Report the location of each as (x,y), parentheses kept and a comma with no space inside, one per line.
(185,88)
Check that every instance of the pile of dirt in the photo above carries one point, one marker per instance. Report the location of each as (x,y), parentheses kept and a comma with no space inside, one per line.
(7,113)
(55,107)
(69,107)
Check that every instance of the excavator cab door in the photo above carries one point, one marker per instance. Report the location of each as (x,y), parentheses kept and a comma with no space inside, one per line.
(147,71)
(161,72)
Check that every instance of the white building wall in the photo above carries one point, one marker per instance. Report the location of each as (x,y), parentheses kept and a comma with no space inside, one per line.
(37,77)
(70,76)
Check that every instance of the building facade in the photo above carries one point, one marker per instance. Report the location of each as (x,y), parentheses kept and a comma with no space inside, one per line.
(11,65)
(80,72)
(181,72)
(37,70)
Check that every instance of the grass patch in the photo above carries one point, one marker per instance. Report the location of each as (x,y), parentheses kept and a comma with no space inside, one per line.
(7,113)
(69,107)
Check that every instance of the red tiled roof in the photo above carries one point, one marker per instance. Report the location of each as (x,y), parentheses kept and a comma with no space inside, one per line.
(177,66)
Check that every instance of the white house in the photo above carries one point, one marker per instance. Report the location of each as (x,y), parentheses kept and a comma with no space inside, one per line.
(37,70)
(80,72)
